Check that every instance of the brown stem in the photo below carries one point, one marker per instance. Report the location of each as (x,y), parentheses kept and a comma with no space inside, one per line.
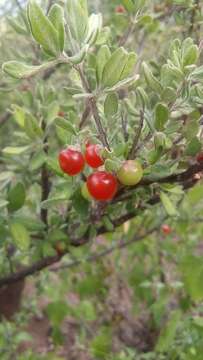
(44,263)
(101,131)
(4,118)
(136,137)
(94,110)
(45,183)
(85,116)
(194,27)
(126,35)
(124,127)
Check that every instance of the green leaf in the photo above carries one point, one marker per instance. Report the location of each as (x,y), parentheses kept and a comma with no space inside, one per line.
(42,29)
(111,104)
(20,236)
(112,165)
(160,141)
(57,311)
(169,94)
(154,155)
(192,272)
(10,150)
(168,333)
(31,127)
(80,204)
(65,124)
(191,55)
(123,83)
(31,223)
(142,97)
(129,66)
(94,25)
(151,80)
(56,16)
(3,203)
(19,70)
(168,205)
(114,67)
(15,24)
(58,337)
(54,201)
(6,175)
(52,112)
(161,116)
(54,166)
(16,197)
(19,115)
(191,129)
(37,160)
(129,5)
(85,310)
(79,57)
(101,344)
(77,13)
(170,75)
(22,336)
(103,36)
(193,147)
(195,195)
(190,52)
(197,74)
(103,56)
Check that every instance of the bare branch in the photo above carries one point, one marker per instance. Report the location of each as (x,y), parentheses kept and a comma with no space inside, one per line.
(46,262)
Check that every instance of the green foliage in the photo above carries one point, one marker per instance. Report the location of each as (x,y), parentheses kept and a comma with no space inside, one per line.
(43,30)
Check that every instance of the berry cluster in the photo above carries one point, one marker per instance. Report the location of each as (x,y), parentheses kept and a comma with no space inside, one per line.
(101,185)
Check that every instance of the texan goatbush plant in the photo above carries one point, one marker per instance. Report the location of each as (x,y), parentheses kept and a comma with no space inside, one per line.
(118,136)
(138,124)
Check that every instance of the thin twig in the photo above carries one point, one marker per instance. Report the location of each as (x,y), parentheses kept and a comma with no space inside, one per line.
(127,34)
(4,118)
(45,182)
(133,149)
(94,110)
(124,124)
(85,116)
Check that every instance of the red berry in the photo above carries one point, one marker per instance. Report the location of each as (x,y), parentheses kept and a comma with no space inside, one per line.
(61,113)
(71,161)
(120,9)
(166,229)
(199,157)
(92,155)
(102,185)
